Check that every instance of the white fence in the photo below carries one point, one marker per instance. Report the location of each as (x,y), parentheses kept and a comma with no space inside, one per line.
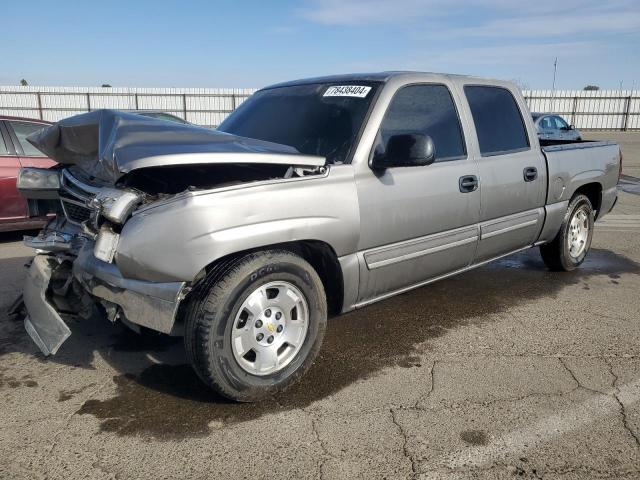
(203,106)
(589,110)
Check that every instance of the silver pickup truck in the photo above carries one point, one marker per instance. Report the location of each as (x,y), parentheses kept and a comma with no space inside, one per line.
(313,198)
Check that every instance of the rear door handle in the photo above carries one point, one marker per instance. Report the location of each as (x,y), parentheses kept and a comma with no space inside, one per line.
(530,174)
(468,183)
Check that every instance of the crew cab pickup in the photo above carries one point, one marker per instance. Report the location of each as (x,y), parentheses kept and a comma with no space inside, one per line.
(314,197)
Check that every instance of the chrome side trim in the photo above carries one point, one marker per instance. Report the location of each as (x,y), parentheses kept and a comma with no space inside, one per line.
(384,296)
(509,229)
(509,223)
(418,247)
(420,253)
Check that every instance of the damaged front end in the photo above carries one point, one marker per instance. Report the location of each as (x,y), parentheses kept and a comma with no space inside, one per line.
(73,272)
(114,166)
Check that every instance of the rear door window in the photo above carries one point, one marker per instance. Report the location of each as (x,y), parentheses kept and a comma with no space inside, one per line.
(498,120)
(22,130)
(546,123)
(427,109)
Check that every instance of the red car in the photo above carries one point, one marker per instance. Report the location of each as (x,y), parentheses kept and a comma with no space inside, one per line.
(16,152)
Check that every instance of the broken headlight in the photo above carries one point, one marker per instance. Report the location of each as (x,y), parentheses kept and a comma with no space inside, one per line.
(38,182)
(116,205)
(106,244)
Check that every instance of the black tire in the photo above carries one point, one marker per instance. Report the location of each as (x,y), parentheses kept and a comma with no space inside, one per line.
(213,307)
(556,254)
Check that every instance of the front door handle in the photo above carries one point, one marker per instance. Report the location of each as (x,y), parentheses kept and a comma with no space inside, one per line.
(468,183)
(530,174)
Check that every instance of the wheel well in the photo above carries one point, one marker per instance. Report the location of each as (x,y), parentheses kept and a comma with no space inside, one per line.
(324,260)
(319,254)
(593,191)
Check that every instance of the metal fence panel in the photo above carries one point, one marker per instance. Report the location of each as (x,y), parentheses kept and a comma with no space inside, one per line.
(588,110)
(203,106)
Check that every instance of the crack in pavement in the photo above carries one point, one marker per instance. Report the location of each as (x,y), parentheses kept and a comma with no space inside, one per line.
(405,444)
(67,422)
(623,411)
(578,383)
(446,405)
(422,398)
(325,451)
(535,473)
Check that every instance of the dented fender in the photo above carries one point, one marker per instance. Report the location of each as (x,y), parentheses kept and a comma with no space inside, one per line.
(175,240)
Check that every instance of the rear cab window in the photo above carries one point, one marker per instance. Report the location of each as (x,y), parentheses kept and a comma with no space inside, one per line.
(428,109)
(498,120)
(22,130)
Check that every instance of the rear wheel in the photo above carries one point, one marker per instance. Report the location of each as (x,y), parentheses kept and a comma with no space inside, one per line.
(255,325)
(571,245)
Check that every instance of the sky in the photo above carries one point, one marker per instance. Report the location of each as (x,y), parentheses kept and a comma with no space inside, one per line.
(158,43)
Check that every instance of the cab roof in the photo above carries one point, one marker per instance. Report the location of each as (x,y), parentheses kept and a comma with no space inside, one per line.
(380,77)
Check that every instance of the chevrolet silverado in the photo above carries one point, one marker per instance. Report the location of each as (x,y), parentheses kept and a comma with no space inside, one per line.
(313,198)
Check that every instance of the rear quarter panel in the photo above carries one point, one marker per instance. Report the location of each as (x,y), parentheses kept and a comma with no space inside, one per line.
(574,165)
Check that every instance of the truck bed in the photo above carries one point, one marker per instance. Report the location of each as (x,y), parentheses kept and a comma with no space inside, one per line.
(572,165)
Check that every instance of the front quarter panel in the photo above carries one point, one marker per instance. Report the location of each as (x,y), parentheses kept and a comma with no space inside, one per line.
(176,240)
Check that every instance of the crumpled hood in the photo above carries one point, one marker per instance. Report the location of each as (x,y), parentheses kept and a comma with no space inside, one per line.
(106,144)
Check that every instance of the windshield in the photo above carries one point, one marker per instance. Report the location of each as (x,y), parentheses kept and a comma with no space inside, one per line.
(316,119)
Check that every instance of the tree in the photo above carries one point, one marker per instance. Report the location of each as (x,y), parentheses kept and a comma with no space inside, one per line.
(24,83)
(591,87)
(106,85)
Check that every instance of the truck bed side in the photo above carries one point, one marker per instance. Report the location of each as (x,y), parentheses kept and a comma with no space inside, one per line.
(576,165)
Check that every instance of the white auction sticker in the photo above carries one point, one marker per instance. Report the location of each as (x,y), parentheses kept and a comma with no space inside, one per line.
(358,91)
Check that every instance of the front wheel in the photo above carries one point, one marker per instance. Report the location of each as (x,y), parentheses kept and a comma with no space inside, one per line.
(571,245)
(255,325)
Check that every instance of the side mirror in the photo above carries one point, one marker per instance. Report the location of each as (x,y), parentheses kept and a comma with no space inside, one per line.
(405,150)
(572,127)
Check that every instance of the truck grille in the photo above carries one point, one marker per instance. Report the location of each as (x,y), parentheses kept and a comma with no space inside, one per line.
(74,198)
(75,213)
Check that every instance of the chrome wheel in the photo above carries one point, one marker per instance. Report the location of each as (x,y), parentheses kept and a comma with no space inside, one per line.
(578,233)
(270,328)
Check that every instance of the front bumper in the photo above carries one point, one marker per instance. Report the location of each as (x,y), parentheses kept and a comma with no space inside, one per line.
(148,304)
(43,323)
